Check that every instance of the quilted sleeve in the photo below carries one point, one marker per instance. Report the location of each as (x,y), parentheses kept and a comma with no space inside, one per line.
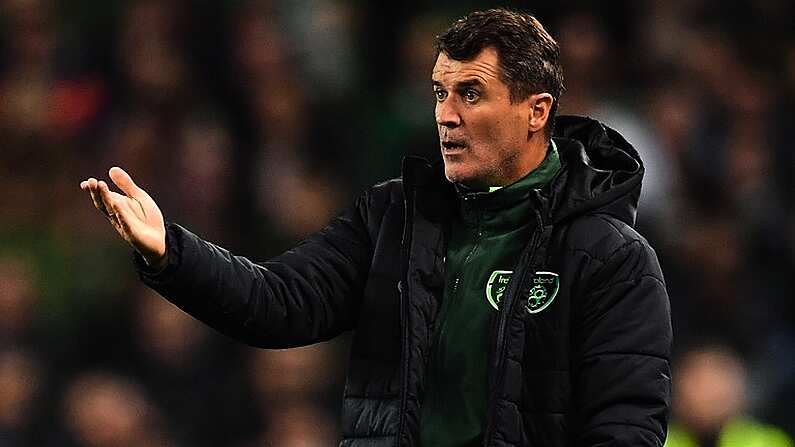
(308,294)
(622,345)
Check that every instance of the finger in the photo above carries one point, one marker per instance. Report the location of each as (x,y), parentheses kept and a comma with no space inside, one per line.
(97,201)
(111,195)
(124,222)
(85,185)
(125,182)
(104,192)
(95,196)
(122,212)
(108,202)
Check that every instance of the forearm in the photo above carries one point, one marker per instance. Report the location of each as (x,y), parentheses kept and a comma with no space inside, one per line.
(278,304)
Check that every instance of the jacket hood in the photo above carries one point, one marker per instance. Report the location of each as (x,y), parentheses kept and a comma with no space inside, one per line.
(601,172)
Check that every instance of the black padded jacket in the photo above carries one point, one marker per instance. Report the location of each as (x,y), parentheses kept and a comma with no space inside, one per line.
(590,370)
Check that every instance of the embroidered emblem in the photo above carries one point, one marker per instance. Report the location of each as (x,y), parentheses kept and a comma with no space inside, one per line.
(496,287)
(545,288)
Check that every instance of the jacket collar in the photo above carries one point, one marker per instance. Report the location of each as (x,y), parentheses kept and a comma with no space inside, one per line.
(601,172)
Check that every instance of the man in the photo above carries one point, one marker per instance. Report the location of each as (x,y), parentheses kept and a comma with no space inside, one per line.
(710,407)
(504,300)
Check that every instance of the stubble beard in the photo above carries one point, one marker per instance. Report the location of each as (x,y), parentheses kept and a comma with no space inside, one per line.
(498,174)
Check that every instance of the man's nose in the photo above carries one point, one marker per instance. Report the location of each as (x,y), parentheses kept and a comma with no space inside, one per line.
(447,114)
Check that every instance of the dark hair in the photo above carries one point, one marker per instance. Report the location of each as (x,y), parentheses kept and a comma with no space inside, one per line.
(529,58)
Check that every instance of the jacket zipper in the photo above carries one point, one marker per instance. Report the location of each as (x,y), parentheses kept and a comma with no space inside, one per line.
(505,312)
(453,294)
(405,250)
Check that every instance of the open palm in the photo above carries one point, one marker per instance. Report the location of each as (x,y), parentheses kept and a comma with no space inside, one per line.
(134,214)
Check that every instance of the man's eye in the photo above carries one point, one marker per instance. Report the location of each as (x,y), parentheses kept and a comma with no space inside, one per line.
(440,95)
(471,95)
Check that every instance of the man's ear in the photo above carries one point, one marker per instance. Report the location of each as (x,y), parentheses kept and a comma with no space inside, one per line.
(540,105)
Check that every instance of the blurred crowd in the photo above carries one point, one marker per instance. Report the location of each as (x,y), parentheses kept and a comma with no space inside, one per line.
(252,122)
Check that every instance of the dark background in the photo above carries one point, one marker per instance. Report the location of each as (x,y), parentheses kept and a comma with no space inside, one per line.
(251,123)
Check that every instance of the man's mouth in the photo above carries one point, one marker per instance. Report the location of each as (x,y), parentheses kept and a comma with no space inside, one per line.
(452,146)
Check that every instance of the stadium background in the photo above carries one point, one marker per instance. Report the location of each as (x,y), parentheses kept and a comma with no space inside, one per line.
(252,122)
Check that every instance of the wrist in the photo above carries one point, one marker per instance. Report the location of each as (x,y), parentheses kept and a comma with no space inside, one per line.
(157,262)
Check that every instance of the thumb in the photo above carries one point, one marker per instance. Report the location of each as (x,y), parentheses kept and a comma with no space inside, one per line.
(124,182)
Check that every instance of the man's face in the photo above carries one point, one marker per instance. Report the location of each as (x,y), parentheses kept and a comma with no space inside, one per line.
(482,134)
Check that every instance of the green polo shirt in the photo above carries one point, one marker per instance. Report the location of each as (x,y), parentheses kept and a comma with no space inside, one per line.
(488,235)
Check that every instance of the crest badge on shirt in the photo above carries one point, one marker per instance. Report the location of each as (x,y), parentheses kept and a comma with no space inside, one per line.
(544,289)
(496,286)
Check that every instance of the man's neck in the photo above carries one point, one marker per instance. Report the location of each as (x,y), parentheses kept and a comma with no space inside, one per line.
(543,164)
(529,160)
(534,154)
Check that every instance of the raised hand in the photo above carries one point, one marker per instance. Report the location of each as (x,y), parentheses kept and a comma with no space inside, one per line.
(134,215)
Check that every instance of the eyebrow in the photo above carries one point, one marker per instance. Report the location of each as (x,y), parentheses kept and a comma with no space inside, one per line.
(474,82)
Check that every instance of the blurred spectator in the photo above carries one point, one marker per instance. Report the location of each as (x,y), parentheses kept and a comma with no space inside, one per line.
(712,290)
(323,43)
(204,159)
(300,425)
(295,195)
(154,95)
(171,339)
(709,404)
(591,90)
(40,111)
(18,300)
(313,371)
(105,410)
(20,386)
(302,380)
(175,360)
(152,59)
(586,55)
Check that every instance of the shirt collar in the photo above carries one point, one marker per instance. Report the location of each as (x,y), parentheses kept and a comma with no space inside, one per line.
(511,199)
